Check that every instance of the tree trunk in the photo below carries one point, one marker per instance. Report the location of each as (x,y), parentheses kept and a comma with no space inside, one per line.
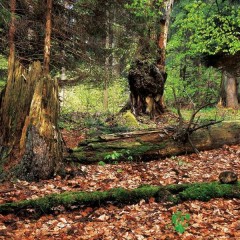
(162,41)
(47,42)
(229,91)
(164,26)
(107,63)
(12,29)
(30,142)
(146,83)
(147,145)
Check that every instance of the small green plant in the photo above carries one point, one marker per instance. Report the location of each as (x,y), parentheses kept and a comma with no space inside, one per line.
(119,170)
(113,156)
(101,163)
(116,155)
(180,221)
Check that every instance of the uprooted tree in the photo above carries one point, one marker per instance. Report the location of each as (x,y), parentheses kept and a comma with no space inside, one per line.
(30,142)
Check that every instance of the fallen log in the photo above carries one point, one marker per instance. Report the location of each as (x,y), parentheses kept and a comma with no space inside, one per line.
(171,194)
(147,145)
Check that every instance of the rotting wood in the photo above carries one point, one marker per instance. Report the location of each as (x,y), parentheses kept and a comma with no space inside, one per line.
(147,145)
(171,194)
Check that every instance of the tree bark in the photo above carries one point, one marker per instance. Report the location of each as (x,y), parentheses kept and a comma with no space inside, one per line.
(107,62)
(12,30)
(30,142)
(146,84)
(147,145)
(47,41)
(147,89)
(162,40)
(229,91)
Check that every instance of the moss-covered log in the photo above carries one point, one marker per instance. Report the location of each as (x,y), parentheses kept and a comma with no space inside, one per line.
(30,142)
(145,145)
(172,194)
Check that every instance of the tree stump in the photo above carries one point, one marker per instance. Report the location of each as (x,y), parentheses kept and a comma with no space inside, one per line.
(146,84)
(30,142)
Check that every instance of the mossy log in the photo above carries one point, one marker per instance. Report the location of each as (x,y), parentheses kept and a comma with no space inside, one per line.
(30,142)
(171,194)
(146,145)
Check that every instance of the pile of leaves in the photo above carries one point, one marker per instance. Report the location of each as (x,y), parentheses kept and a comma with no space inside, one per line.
(216,219)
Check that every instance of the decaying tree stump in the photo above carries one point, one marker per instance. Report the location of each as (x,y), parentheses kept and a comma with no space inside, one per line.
(30,141)
(155,144)
(146,84)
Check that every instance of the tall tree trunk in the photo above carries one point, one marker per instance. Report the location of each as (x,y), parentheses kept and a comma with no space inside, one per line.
(115,41)
(229,91)
(107,63)
(164,26)
(147,83)
(47,42)
(12,29)
(30,142)
(162,41)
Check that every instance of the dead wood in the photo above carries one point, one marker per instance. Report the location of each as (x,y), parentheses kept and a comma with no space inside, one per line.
(146,145)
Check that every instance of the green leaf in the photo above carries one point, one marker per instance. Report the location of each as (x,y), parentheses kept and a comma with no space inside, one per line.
(180,229)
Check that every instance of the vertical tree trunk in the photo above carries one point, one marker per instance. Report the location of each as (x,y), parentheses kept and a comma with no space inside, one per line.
(164,26)
(229,91)
(115,57)
(107,63)
(12,29)
(162,41)
(146,80)
(47,42)
(30,142)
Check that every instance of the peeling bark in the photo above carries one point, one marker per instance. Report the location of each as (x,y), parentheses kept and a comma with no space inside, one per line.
(30,143)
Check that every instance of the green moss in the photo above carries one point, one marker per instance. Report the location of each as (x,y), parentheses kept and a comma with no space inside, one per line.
(173,194)
(130,120)
(145,192)
(206,191)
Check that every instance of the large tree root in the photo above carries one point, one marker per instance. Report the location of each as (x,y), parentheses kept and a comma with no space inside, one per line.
(171,194)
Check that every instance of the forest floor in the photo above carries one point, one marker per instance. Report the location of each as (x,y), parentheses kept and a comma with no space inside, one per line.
(215,219)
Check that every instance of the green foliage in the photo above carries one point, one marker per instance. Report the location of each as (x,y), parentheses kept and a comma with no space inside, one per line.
(3,62)
(199,86)
(207,114)
(199,28)
(117,155)
(84,98)
(145,8)
(3,71)
(101,163)
(180,221)
(206,191)
(203,27)
(113,156)
(4,15)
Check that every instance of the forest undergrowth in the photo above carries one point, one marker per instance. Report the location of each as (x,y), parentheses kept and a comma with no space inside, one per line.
(147,219)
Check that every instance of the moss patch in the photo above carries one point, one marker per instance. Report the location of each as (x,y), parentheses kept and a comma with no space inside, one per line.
(171,193)
(130,120)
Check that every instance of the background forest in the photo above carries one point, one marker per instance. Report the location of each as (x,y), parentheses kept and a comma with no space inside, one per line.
(94,44)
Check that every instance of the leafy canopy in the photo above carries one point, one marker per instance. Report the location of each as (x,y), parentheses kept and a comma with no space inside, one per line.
(210,27)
